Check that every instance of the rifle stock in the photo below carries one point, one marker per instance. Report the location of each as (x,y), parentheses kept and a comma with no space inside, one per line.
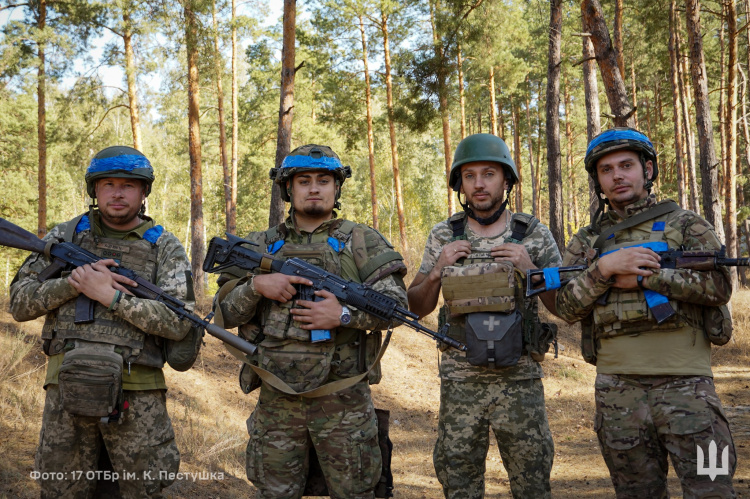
(67,254)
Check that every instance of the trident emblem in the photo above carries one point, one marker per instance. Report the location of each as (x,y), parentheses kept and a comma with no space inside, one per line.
(712,471)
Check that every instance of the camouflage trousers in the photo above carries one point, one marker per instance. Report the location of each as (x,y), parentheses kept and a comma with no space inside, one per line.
(642,420)
(140,444)
(515,412)
(341,426)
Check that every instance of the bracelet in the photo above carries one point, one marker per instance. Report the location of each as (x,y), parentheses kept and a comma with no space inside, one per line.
(115,300)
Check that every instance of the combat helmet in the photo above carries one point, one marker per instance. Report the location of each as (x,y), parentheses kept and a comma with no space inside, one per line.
(309,157)
(119,162)
(616,139)
(482,147)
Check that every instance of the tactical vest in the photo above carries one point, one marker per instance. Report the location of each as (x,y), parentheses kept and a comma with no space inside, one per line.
(140,256)
(627,311)
(498,291)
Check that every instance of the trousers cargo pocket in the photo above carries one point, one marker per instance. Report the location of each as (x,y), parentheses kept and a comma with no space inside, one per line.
(90,379)
(254,453)
(366,458)
(622,446)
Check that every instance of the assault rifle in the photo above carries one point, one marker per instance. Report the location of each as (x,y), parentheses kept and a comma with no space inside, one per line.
(670,259)
(231,253)
(66,255)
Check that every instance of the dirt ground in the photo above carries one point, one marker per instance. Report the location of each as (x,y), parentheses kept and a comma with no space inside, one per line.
(209,411)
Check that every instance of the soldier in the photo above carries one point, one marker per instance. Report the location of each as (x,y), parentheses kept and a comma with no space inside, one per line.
(304,344)
(655,396)
(475,257)
(104,378)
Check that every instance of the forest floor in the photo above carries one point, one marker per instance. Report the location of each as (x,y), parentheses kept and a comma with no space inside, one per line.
(208,412)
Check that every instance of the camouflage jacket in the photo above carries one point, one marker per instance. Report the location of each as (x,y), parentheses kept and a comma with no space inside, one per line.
(31,299)
(577,299)
(543,252)
(240,305)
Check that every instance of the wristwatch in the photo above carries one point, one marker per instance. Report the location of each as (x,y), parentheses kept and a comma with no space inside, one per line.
(346,316)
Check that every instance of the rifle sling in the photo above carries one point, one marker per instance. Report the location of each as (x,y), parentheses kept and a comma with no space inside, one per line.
(644,216)
(326,389)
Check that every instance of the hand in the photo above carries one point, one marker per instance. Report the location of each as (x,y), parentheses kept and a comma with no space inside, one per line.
(514,253)
(98,282)
(628,281)
(323,314)
(451,253)
(279,287)
(629,261)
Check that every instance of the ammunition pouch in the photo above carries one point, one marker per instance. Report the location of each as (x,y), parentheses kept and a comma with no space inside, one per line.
(352,358)
(542,336)
(181,354)
(588,340)
(494,340)
(717,324)
(90,379)
(479,287)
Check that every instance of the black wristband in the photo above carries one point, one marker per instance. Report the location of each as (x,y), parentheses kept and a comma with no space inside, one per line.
(639,280)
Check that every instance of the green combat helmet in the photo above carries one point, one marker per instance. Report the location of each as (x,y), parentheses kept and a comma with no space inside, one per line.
(483,147)
(119,162)
(617,139)
(310,157)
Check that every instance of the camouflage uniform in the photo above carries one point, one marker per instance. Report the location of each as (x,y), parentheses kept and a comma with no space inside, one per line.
(654,389)
(510,400)
(342,426)
(141,441)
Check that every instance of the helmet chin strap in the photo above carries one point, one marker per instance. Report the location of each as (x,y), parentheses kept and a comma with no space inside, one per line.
(484,221)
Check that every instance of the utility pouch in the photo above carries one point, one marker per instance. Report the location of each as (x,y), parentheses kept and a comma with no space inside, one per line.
(588,340)
(494,340)
(181,355)
(717,324)
(249,379)
(543,335)
(301,365)
(90,379)
(479,287)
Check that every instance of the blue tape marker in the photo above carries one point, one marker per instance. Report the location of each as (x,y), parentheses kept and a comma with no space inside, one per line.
(551,278)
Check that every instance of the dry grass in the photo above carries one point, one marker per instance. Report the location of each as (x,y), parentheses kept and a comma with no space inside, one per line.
(209,412)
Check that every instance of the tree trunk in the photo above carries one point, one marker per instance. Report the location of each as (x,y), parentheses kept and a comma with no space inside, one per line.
(676,105)
(232,222)
(442,88)
(617,39)
(218,66)
(532,166)
(286,106)
(591,93)
(573,206)
(709,163)
(517,156)
(392,131)
(539,134)
(370,132)
(41,230)
(553,124)
(605,54)
(130,74)
(721,112)
(686,101)
(194,140)
(493,102)
(731,137)
(634,93)
(461,93)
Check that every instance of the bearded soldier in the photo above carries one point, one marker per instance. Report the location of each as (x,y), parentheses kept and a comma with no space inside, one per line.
(476,257)
(645,328)
(305,345)
(104,378)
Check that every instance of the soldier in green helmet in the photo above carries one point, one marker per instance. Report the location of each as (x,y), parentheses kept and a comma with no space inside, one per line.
(305,346)
(105,389)
(476,258)
(644,327)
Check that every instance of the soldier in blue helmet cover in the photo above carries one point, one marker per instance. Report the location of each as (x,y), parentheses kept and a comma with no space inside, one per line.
(104,383)
(305,346)
(649,330)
